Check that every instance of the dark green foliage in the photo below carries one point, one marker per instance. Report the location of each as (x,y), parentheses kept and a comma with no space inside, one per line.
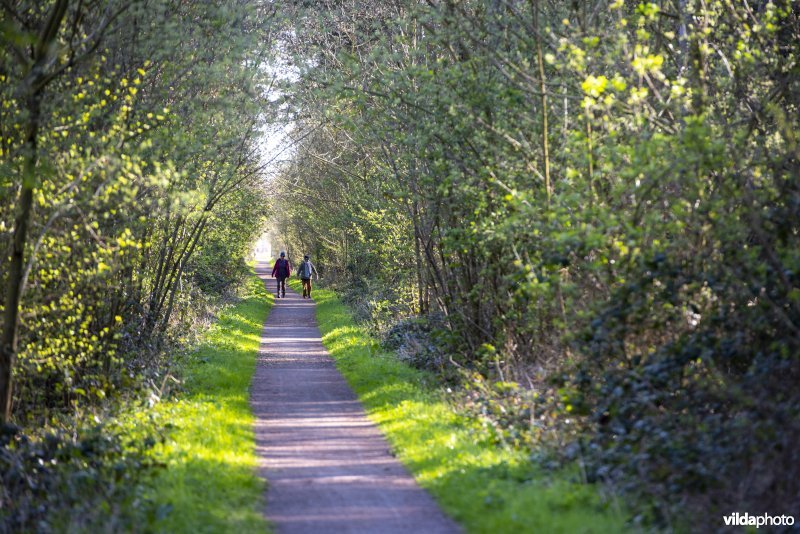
(86,479)
(673,418)
(419,342)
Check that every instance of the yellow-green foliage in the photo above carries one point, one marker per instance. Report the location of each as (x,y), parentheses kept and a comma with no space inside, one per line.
(210,483)
(122,163)
(484,487)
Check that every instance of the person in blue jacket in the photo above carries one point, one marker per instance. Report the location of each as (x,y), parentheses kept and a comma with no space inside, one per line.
(305,272)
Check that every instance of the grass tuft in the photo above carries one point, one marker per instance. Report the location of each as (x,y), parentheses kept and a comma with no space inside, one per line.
(484,487)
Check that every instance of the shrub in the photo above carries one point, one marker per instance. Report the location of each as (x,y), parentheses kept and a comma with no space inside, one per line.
(417,341)
(85,479)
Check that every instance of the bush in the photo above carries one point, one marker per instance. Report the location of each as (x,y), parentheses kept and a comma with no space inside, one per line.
(417,341)
(87,479)
(707,419)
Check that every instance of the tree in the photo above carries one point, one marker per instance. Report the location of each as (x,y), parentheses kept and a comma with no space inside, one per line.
(127,131)
(49,54)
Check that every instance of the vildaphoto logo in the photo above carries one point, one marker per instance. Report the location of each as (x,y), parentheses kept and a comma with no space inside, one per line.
(765,520)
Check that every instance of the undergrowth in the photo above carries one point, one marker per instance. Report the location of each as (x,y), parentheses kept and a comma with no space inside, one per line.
(78,476)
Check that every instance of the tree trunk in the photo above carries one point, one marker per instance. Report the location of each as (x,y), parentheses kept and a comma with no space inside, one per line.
(14,288)
(697,60)
(195,238)
(421,304)
(543,90)
(33,85)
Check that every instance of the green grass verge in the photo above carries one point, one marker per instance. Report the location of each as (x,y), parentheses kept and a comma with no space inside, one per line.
(210,482)
(483,487)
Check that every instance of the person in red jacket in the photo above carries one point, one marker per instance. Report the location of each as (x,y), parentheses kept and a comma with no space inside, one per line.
(282,270)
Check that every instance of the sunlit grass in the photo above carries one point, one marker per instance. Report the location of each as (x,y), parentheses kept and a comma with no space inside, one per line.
(482,486)
(210,482)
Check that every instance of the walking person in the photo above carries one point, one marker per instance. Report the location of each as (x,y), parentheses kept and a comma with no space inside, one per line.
(282,270)
(305,272)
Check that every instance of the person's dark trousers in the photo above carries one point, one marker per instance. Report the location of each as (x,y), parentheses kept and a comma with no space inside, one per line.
(281,287)
(306,287)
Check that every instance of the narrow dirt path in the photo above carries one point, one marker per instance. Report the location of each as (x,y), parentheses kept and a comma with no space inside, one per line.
(328,467)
